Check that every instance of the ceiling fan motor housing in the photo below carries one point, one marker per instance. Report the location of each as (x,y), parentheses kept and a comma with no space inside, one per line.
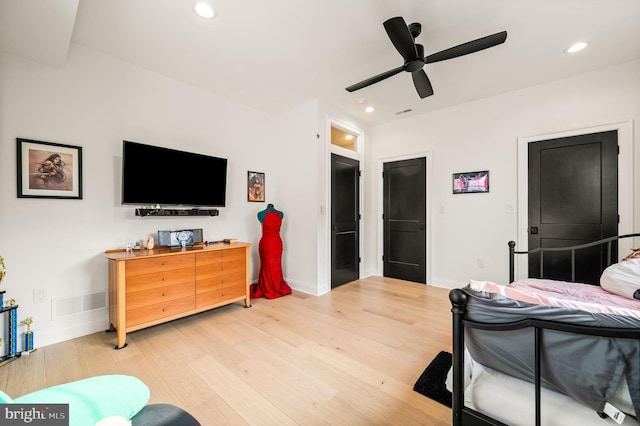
(415,29)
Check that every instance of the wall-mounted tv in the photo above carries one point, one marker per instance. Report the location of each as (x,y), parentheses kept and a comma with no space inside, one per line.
(155,175)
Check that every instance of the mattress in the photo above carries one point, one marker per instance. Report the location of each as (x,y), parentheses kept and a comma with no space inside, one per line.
(511,400)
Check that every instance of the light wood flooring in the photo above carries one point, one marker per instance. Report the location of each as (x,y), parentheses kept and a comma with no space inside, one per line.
(350,357)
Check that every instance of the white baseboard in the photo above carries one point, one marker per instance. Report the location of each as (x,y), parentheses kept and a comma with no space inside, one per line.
(447,283)
(303,287)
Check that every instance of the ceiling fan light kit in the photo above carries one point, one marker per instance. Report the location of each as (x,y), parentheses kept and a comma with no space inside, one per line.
(403,38)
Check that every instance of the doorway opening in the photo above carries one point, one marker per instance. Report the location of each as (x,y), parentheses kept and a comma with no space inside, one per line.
(344,218)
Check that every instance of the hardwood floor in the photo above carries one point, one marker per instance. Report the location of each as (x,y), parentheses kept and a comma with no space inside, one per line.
(350,357)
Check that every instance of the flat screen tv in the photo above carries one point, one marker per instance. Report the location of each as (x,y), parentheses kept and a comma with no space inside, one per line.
(154,175)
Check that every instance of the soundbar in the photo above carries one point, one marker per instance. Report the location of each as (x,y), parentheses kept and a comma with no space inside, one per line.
(176,212)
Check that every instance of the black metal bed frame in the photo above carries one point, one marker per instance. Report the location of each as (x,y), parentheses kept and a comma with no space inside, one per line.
(465,416)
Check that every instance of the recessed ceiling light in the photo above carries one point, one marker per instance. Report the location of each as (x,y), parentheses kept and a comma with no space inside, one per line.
(369,109)
(576,47)
(205,10)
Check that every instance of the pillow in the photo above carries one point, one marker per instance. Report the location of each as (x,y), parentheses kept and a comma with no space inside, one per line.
(93,399)
(623,278)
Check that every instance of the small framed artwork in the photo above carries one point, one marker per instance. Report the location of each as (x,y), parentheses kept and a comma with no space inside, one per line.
(255,186)
(471,182)
(49,170)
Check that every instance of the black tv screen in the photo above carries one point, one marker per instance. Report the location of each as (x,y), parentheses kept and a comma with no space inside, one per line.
(154,175)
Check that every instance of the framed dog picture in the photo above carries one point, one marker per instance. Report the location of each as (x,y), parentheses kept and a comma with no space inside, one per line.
(49,170)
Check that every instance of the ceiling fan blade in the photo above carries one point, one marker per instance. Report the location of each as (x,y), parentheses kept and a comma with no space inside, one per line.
(374,79)
(468,47)
(401,37)
(422,83)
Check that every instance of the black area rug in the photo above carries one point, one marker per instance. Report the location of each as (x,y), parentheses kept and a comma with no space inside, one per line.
(432,381)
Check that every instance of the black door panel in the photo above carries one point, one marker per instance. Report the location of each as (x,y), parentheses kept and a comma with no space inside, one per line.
(345,220)
(573,199)
(404,221)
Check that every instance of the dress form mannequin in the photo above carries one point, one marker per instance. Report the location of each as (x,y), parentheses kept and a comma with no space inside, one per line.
(271,283)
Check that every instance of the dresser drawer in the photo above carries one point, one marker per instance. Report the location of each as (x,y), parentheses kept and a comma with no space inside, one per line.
(220,256)
(159,279)
(158,264)
(159,295)
(159,311)
(220,268)
(220,295)
(213,283)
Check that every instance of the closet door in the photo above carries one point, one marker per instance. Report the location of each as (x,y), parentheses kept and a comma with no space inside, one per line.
(573,199)
(404,220)
(345,220)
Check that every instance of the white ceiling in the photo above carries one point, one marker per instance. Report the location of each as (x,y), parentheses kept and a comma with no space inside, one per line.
(275,55)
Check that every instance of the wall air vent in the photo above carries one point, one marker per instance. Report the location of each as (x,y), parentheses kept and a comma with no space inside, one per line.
(78,304)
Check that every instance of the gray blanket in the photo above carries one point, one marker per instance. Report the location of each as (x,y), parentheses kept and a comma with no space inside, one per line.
(587,368)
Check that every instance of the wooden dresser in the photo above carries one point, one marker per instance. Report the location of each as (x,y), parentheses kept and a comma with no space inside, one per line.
(149,287)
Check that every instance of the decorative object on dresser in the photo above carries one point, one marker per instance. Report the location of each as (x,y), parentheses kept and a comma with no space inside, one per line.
(150,287)
(178,238)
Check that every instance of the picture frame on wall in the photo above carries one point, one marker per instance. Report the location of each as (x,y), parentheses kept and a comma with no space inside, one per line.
(471,182)
(255,186)
(48,170)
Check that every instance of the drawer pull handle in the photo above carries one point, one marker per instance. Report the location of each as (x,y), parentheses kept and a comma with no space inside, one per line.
(162,294)
(163,263)
(164,278)
(162,309)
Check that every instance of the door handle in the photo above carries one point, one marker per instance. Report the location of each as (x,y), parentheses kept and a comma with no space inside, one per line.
(533,230)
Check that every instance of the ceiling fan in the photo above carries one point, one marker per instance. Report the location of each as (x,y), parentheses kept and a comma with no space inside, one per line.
(403,38)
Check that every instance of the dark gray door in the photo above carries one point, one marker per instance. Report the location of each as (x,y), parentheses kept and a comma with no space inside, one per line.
(345,220)
(404,219)
(573,199)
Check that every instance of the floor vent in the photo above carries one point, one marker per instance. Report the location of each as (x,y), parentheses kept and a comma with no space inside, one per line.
(78,304)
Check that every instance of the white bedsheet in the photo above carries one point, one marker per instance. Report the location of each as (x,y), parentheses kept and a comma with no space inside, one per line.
(512,401)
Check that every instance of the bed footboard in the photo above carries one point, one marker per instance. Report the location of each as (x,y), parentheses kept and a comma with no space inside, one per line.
(465,416)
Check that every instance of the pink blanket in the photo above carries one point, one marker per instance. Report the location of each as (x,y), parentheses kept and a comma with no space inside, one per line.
(563,294)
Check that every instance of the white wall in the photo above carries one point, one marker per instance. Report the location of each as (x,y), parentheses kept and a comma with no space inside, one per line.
(303,163)
(483,135)
(297,150)
(95,102)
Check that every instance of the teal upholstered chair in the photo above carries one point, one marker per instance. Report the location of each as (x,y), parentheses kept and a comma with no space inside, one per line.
(96,398)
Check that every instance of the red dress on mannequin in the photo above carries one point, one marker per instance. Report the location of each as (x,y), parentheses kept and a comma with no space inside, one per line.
(271,283)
